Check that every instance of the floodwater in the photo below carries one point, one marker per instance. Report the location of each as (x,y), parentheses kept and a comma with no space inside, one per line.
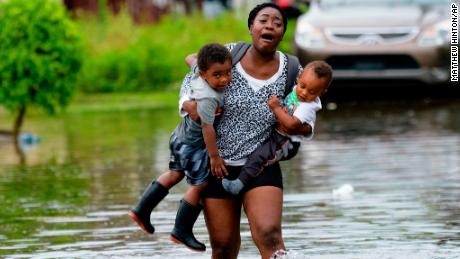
(71,197)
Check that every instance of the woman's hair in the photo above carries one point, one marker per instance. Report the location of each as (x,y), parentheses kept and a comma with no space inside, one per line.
(212,53)
(321,69)
(258,8)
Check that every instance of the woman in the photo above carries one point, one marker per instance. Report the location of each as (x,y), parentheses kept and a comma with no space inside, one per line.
(245,124)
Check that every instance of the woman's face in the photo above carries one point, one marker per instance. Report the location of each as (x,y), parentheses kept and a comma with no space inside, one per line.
(267,30)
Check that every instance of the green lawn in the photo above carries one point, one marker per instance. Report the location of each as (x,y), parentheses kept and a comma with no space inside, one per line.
(103,102)
(123,101)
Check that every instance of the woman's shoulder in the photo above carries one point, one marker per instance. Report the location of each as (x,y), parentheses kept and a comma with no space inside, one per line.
(241,45)
(230,45)
(292,65)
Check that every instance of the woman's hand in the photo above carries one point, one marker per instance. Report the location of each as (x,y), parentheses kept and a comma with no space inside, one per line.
(273,102)
(218,168)
(190,108)
(191,59)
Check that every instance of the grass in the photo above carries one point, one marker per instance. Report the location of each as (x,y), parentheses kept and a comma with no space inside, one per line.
(100,102)
(124,57)
(104,102)
(123,101)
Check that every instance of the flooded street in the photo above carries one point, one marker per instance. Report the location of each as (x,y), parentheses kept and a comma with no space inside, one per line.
(402,157)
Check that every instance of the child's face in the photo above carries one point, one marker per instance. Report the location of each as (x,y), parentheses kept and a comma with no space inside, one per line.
(218,75)
(310,86)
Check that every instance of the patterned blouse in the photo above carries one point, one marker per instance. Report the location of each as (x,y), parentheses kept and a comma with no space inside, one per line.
(246,121)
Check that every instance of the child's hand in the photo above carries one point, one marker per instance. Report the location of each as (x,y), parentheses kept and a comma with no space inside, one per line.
(273,102)
(219,112)
(218,168)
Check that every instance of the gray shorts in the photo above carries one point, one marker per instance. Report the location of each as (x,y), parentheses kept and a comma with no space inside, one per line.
(192,160)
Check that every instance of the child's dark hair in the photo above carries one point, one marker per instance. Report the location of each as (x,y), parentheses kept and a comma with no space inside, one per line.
(212,53)
(258,8)
(321,69)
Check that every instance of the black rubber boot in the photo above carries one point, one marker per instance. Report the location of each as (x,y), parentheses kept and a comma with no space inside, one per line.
(182,232)
(154,193)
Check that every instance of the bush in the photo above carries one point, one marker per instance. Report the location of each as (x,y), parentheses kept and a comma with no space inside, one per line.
(124,57)
(133,68)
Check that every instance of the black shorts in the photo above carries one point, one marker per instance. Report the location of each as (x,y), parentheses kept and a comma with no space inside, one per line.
(271,176)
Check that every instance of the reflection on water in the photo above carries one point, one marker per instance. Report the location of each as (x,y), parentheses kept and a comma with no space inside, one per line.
(403,160)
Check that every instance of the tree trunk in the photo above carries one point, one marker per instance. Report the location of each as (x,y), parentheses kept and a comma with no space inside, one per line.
(17,127)
(16,130)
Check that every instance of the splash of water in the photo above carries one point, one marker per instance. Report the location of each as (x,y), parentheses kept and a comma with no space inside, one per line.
(283,254)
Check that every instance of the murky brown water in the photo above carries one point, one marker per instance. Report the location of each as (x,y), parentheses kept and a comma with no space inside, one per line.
(71,198)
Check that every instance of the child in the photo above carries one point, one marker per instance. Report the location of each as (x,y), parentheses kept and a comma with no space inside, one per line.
(190,144)
(301,106)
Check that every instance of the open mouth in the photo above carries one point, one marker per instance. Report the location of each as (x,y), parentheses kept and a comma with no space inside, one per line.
(267,37)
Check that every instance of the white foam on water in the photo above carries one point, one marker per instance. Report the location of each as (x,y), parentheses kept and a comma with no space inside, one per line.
(282,254)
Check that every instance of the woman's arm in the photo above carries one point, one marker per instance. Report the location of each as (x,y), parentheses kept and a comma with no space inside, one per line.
(191,59)
(187,106)
(190,108)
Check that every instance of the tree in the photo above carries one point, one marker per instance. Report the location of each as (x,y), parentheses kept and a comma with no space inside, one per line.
(40,56)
